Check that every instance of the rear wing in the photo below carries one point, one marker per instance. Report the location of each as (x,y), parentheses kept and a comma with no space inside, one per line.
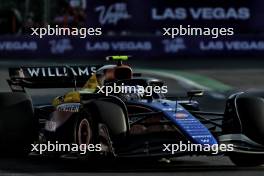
(49,77)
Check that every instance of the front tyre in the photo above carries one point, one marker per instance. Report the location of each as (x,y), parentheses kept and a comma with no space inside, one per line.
(18,125)
(83,132)
(85,135)
(244,114)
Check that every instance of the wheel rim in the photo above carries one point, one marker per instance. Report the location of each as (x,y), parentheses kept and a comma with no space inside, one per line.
(84,132)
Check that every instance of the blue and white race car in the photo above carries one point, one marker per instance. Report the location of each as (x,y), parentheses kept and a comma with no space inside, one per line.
(118,113)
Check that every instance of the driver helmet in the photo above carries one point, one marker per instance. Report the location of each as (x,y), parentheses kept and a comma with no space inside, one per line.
(106,74)
(110,73)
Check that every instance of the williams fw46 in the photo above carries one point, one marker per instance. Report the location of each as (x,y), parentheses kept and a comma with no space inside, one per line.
(122,125)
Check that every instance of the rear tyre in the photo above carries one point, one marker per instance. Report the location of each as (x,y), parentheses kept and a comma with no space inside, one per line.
(18,127)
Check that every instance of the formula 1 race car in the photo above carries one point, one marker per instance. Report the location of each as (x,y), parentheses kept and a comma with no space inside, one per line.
(121,114)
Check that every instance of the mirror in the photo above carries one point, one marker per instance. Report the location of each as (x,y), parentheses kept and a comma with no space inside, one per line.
(195,93)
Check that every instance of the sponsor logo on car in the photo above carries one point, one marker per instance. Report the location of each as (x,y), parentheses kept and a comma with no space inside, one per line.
(69,107)
(181,115)
(58,71)
(50,126)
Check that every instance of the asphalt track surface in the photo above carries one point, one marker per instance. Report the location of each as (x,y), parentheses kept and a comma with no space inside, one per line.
(243,76)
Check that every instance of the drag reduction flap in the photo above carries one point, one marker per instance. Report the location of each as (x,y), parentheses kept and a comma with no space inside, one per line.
(51,77)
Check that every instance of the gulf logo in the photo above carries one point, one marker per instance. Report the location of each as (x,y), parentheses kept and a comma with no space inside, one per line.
(180,115)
